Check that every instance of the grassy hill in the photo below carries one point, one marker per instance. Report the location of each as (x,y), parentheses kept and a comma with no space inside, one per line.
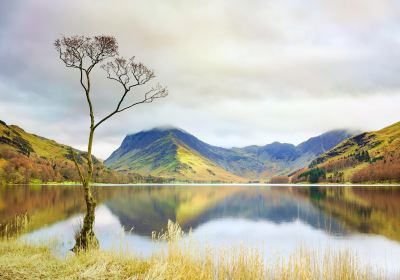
(26,157)
(367,157)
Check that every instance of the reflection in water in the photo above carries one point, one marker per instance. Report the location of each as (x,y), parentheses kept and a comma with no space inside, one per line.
(148,211)
(278,219)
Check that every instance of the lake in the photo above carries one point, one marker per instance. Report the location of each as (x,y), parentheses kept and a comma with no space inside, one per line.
(276,219)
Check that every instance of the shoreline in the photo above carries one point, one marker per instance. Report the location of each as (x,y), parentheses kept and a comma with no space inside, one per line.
(216,184)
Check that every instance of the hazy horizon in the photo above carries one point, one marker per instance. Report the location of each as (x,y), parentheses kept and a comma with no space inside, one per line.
(238,73)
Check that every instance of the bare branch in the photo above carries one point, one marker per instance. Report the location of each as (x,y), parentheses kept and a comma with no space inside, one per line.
(128,72)
(71,50)
(101,48)
(84,53)
(152,94)
(76,51)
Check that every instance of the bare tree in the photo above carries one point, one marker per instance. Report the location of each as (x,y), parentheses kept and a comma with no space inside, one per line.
(84,54)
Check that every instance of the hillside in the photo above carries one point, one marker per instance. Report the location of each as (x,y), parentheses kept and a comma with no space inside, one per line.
(174,153)
(171,153)
(366,157)
(26,157)
(283,158)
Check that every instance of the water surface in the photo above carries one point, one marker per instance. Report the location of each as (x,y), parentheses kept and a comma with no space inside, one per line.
(275,219)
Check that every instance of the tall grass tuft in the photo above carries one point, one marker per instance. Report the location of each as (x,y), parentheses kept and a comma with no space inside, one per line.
(15,226)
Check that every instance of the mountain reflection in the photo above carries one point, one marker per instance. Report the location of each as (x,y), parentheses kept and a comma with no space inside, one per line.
(148,211)
(335,210)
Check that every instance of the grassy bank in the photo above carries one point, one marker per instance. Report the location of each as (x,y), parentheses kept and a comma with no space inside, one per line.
(185,260)
(22,261)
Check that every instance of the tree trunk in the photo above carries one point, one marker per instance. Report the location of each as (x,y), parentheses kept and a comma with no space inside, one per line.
(86,238)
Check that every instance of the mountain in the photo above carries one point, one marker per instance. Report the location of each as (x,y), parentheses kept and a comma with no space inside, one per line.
(174,153)
(367,157)
(283,158)
(26,157)
(273,151)
(324,142)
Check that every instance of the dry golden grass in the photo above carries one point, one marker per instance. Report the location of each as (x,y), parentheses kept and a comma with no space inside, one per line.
(179,261)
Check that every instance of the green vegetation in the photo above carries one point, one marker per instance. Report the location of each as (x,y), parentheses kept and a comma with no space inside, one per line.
(367,157)
(313,175)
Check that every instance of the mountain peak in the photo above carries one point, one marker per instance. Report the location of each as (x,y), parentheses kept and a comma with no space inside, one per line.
(320,144)
(171,152)
(161,129)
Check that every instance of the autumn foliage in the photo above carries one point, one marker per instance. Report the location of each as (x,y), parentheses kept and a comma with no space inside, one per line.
(18,168)
(384,170)
(279,180)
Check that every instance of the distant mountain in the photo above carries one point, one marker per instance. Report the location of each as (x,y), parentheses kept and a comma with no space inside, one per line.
(324,142)
(174,153)
(282,158)
(366,157)
(273,151)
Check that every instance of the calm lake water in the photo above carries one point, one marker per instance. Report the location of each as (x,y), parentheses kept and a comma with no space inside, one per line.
(277,219)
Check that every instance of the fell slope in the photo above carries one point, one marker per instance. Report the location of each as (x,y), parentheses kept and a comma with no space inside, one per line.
(366,157)
(170,153)
(174,153)
(25,157)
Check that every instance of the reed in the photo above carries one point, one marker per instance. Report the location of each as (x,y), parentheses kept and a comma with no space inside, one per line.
(180,260)
(15,226)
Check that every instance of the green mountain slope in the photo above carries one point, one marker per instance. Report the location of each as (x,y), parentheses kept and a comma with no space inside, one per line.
(366,157)
(166,153)
(25,157)
(174,153)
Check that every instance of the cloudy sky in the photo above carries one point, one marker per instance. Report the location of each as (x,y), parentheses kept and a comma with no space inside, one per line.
(238,72)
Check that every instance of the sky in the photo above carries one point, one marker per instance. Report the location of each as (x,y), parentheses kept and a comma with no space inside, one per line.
(238,72)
